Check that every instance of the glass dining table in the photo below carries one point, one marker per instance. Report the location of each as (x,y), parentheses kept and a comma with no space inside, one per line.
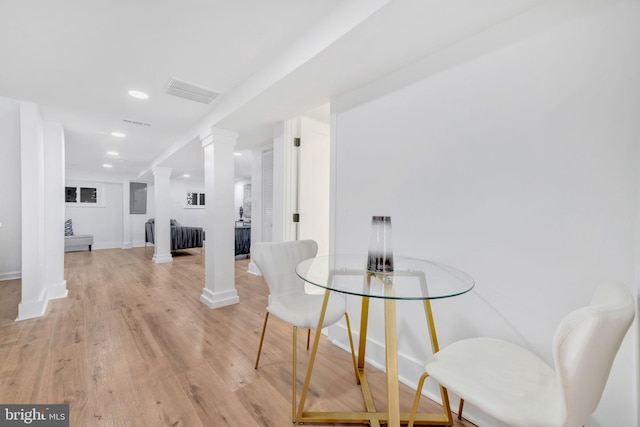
(412,279)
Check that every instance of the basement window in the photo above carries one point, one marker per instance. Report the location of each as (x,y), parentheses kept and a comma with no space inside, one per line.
(195,200)
(83,195)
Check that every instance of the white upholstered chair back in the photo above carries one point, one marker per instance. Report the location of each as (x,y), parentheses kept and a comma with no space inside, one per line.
(289,301)
(584,347)
(277,263)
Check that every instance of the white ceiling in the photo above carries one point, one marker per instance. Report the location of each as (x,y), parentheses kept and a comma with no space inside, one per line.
(271,60)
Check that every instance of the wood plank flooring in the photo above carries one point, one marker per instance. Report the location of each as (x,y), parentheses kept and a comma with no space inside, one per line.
(132,345)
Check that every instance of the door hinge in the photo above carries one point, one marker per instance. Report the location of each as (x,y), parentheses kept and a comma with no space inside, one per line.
(296,217)
(296,142)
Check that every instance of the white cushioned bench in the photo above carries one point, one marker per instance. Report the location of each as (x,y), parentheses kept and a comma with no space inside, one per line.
(78,242)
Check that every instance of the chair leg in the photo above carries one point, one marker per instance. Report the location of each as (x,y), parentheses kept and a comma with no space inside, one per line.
(293,370)
(460,409)
(416,400)
(264,328)
(353,353)
(308,337)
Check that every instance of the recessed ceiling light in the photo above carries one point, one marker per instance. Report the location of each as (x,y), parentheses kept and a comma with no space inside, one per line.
(186,175)
(113,153)
(237,153)
(118,134)
(107,165)
(138,94)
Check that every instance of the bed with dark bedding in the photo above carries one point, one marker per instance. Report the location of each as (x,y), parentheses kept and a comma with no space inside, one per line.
(182,236)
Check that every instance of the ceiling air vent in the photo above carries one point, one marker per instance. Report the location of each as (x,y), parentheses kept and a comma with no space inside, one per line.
(190,91)
(135,122)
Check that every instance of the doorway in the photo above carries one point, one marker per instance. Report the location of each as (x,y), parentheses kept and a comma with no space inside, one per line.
(313,179)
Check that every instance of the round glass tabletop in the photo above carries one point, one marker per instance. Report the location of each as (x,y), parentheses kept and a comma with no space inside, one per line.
(412,279)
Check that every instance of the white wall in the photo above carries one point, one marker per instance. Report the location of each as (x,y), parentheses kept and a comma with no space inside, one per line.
(104,221)
(107,221)
(520,168)
(194,216)
(238,197)
(10,194)
(190,216)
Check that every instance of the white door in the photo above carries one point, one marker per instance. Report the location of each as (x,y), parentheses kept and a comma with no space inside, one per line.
(313,190)
(267,196)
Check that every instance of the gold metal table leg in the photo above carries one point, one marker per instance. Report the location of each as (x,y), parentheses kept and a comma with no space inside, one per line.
(312,357)
(391,352)
(446,407)
(393,417)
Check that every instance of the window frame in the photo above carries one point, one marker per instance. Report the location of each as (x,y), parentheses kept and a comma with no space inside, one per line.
(79,186)
(199,198)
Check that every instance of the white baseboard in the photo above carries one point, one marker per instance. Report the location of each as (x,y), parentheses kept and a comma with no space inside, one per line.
(253,269)
(106,245)
(57,291)
(10,275)
(409,372)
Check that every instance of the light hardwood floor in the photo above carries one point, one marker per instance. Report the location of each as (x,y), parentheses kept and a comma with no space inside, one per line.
(132,345)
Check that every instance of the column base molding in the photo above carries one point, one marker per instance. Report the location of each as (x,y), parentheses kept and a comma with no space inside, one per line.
(58,291)
(32,309)
(220,299)
(159,259)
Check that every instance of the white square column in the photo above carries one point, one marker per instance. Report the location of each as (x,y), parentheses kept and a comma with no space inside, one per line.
(219,284)
(34,293)
(54,158)
(162,227)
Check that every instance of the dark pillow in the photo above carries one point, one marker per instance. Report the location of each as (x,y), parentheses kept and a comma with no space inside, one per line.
(68,228)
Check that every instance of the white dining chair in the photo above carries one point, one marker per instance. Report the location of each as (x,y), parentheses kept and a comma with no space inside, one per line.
(517,387)
(288,300)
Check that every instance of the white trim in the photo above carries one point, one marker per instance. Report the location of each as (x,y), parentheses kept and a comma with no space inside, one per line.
(253,269)
(333,175)
(285,179)
(83,205)
(106,245)
(160,259)
(58,291)
(409,370)
(32,309)
(376,358)
(100,194)
(221,299)
(11,275)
